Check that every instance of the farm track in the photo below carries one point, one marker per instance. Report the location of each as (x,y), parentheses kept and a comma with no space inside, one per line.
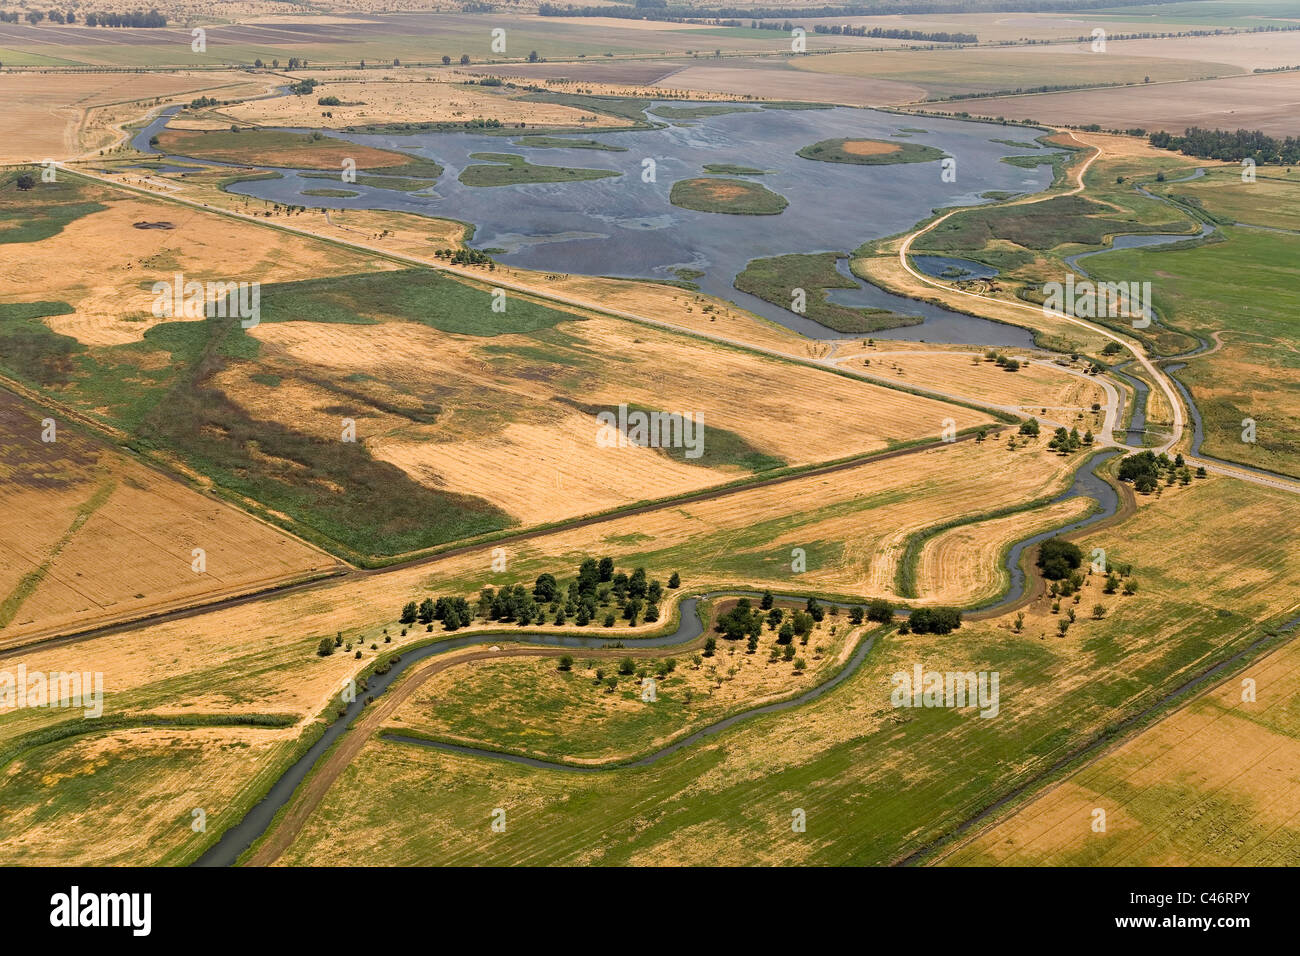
(1152,367)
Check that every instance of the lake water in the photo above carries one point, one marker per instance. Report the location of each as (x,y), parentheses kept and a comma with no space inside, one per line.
(625,226)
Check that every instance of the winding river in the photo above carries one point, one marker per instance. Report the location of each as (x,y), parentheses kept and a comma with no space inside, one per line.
(234,841)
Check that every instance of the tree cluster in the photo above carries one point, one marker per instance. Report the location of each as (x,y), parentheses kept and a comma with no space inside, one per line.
(932,620)
(1230,146)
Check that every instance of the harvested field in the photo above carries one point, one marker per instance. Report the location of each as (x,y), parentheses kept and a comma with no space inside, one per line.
(60,116)
(779,82)
(82,802)
(1266,101)
(104,538)
(1246,51)
(953,566)
(1036,385)
(408,97)
(514,396)
(957,72)
(1213,784)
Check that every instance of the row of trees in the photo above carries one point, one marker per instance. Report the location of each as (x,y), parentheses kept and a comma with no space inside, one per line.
(596,586)
(1230,146)
(936,36)
(992,355)
(136,19)
(745,619)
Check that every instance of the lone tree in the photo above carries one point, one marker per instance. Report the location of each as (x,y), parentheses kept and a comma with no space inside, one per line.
(326,647)
(26,181)
(1058,557)
(880,611)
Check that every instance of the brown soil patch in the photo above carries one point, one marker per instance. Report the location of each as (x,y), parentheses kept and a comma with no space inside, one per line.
(869,147)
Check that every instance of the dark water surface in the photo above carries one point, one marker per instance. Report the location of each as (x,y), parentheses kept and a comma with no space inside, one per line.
(624,226)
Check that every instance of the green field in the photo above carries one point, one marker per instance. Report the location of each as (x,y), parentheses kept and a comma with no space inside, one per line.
(876,783)
(1271,201)
(1257,373)
(532,707)
(161,390)
(565,142)
(775,279)
(730,169)
(737,197)
(699,112)
(509,169)
(43,211)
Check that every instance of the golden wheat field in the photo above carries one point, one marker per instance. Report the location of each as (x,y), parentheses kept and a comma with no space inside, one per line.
(104,538)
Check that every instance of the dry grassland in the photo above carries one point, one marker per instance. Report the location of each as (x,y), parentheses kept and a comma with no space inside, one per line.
(418,97)
(1213,784)
(329,156)
(126,797)
(104,538)
(505,403)
(104,267)
(868,147)
(61,115)
(1036,385)
(419,236)
(954,566)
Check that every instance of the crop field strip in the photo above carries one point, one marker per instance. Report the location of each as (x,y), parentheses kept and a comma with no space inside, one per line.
(862,506)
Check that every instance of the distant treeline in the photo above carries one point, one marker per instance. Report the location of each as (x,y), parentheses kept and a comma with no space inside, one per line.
(849,31)
(136,19)
(936,37)
(1224,145)
(663,10)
